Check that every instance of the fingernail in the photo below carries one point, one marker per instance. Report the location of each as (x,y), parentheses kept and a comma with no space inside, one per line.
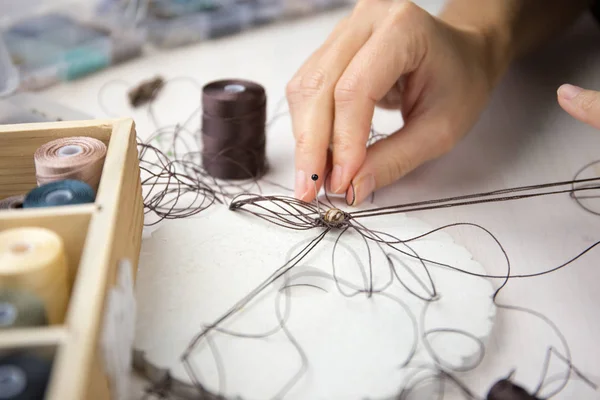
(363,187)
(569,92)
(328,184)
(336,179)
(301,186)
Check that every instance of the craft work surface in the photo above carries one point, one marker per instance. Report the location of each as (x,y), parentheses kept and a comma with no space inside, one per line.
(356,336)
(192,270)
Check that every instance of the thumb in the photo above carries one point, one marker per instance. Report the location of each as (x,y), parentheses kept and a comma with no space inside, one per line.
(420,140)
(581,104)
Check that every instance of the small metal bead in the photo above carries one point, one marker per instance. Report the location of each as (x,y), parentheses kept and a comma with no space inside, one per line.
(314,177)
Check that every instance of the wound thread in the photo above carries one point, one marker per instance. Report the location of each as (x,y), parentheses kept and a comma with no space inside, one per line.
(233,129)
(60,193)
(73,158)
(33,260)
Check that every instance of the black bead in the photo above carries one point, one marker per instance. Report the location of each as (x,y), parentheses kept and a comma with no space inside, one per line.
(314,177)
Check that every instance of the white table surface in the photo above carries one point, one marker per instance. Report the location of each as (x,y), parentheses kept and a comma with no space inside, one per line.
(522,138)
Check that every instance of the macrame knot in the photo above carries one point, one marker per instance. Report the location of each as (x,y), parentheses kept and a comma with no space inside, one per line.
(333,218)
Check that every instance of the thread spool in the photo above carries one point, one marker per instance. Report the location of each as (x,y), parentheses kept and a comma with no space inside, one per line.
(506,390)
(34,260)
(75,158)
(23,376)
(12,203)
(146,91)
(233,129)
(20,309)
(60,193)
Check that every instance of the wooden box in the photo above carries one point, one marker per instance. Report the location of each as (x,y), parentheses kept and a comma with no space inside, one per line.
(96,236)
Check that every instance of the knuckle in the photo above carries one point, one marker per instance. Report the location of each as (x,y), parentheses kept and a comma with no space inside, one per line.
(398,166)
(303,143)
(345,90)
(589,102)
(313,82)
(405,11)
(293,88)
(446,139)
(414,24)
(342,143)
(363,6)
(306,85)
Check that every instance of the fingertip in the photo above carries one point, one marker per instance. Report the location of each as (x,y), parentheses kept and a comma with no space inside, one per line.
(581,104)
(568,92)
(351,195)
(308,185)
(335,182)
(360,188)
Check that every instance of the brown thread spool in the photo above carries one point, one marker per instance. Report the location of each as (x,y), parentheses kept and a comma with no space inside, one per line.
(34,260)
(12,203)
(506,390)
(233,129)
(77,158)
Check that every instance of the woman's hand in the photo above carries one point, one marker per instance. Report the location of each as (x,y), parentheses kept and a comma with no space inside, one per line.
(395,55)
(582,104)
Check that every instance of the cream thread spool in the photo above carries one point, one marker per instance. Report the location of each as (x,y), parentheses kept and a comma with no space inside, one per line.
(34,260)
(77,158)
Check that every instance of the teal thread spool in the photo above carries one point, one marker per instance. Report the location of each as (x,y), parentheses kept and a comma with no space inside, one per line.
(60,193)
(23,376)
(20,309)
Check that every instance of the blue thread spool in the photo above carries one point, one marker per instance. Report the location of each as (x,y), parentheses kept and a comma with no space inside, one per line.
(23,377)
(60,193)
(20,309)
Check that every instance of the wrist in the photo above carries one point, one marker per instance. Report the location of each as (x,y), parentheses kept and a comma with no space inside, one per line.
(489,41)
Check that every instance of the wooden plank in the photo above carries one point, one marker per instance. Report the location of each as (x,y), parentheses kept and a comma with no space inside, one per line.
(33,337)
(115,233)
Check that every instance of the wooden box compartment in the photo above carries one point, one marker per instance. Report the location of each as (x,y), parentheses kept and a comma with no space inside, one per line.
(97,237)
(35,359)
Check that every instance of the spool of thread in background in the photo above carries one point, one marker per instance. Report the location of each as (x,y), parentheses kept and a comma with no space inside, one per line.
(21,309)
(33,259)
(12,203)
(23,376)
(60,193)
(506,390)
(74,158)
(233,129)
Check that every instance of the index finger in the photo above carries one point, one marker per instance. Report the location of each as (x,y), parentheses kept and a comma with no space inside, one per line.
(310,95)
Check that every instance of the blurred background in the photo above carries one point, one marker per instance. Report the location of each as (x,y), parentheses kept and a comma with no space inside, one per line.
(45,42)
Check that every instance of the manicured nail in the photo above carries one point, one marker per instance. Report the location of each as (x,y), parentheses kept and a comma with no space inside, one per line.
(301,184)
(569,92)
(328,184)
(363,187)
(336,179)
